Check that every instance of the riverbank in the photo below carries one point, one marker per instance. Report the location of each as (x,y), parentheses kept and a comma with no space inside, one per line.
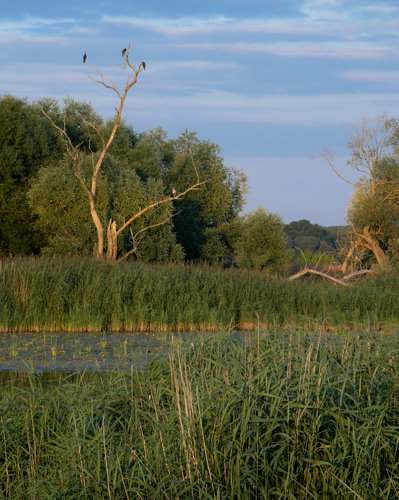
(60,294)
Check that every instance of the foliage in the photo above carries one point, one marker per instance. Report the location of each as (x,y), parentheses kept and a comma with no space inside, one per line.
(139,169)
(379,211)
(315,259)
(202,212)
(260,242)
(372,212)
(304,235)
(62,211)
(278,414)
(26,144)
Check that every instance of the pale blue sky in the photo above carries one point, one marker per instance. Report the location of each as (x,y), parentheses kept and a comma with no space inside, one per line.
(272,82)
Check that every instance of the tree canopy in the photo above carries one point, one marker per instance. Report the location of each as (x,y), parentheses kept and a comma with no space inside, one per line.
(26,144)
(44,210)
(258,241)
(147,167)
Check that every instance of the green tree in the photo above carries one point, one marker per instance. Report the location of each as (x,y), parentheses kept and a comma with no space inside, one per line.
(62,212)
(202,214)
(26,143)
(60,205)
(258,241)
(303,235)
(150,169)
(374,216)
(372,212)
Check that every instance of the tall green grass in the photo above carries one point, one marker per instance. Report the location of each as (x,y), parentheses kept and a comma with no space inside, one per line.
(276,415)
(82,294)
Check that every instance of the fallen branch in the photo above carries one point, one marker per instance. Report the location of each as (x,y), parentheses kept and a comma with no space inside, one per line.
(357,273)
(339,281)
(307,270)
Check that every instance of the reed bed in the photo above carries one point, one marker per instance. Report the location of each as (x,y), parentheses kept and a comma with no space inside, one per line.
(74,294)
(276,414)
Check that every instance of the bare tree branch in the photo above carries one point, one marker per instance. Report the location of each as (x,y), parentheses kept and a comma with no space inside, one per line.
(136,241)
(329,159)
(76,156)
(160,202)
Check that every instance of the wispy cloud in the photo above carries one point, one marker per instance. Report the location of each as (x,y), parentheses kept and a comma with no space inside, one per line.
(200,65)
(324,10)
(381,9)
(167,106)
(339,50)
(192,25)
(44,75)
(348,26)
(162,22)
(249,26)
(8,38)
(323,109)
(29,24)
(372,76)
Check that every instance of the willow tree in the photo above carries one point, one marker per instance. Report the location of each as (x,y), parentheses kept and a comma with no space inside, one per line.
(109,230)
(372,212)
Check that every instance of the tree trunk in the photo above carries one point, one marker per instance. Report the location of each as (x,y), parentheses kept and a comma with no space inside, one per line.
(112,248)
(364,240)
(348,257)
(99,247)
(372,244)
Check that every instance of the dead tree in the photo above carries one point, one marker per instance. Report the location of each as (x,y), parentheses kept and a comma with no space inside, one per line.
(368,145)
(90,188)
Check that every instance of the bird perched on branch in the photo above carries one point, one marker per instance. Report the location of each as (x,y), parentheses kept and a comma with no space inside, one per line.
(123,52)
(174,191)
(84,57)
(143,64)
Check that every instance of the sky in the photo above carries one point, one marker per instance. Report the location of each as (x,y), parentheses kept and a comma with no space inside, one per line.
(272,82)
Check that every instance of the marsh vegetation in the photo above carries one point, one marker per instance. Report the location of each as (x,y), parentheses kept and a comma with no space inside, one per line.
(38,294)
(272,414)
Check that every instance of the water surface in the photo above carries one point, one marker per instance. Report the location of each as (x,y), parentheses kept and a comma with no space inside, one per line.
(70,352)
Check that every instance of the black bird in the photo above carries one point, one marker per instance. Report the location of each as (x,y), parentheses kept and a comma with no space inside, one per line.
(84,57)
(143,64)
(123,52)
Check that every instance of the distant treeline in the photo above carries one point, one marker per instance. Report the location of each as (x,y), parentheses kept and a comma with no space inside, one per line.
(313,244)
